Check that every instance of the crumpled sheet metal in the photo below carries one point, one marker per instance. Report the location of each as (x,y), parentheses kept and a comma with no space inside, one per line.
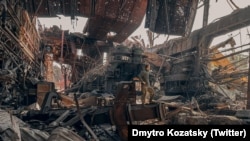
(14,129)
(9,127)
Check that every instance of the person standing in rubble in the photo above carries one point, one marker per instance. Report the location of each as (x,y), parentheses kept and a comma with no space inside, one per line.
(147,90)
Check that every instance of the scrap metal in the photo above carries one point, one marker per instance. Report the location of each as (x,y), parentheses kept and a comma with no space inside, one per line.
(192,51)
(19,46)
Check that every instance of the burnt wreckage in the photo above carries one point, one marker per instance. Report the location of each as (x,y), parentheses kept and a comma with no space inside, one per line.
(95,94)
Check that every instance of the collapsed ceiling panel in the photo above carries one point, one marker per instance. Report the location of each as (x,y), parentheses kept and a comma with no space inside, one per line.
(170,16)
(52,8)
(115,20)
(112,20)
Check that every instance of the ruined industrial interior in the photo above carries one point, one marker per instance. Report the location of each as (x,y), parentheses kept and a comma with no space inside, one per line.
(61,85)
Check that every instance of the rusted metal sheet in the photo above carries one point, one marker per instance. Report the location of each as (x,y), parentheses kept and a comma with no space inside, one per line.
(118,17)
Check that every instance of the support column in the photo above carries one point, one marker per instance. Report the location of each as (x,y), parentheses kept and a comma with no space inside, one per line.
(248,86)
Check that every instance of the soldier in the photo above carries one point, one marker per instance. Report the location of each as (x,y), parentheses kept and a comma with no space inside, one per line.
(147,90)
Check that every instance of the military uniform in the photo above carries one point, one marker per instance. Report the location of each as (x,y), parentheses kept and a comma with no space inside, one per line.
(147,90)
